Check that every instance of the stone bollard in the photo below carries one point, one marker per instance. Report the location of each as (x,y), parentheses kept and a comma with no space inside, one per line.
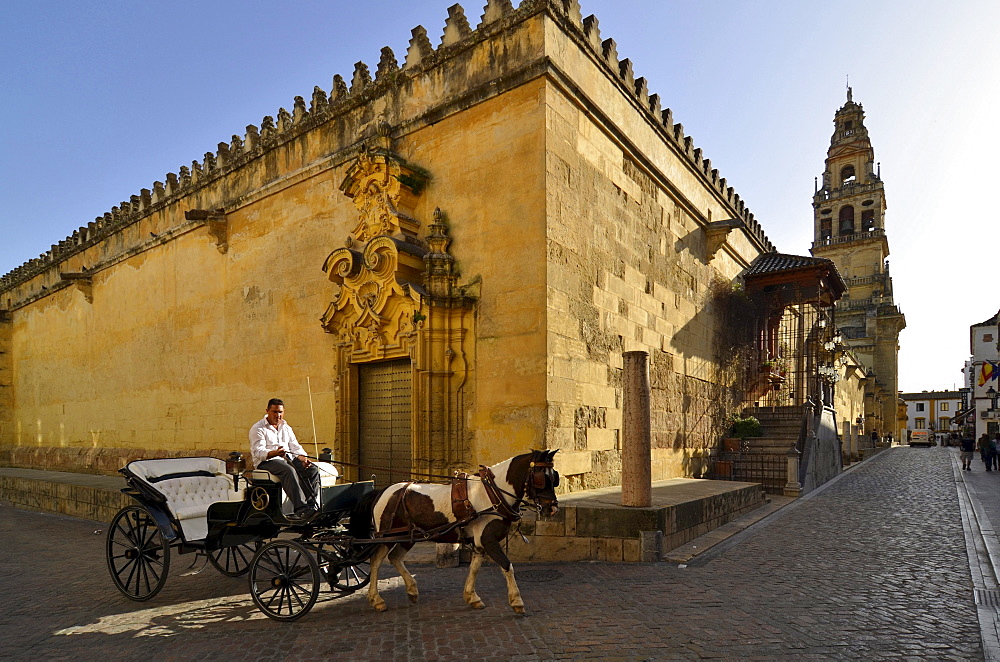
(793,488)
(636,456)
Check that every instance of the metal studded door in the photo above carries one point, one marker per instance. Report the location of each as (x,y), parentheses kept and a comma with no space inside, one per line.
(384,420)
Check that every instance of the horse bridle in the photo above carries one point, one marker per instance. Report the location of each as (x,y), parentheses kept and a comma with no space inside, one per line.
(539,473)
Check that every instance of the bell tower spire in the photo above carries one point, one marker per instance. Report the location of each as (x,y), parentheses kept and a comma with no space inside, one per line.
(850,206)
(849,228)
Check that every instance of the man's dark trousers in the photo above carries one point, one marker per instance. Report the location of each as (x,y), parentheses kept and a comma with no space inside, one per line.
(300,483)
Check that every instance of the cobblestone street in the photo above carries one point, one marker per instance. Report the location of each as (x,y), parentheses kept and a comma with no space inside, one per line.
(873,566)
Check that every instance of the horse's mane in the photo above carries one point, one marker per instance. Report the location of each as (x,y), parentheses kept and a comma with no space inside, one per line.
(362,524)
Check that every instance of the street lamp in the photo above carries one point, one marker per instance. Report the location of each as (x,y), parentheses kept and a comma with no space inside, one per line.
(993,395)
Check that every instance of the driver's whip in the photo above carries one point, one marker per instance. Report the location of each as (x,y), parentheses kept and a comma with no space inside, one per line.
(312,415)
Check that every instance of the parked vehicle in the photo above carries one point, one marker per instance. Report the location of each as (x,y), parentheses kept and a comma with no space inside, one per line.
(921,438)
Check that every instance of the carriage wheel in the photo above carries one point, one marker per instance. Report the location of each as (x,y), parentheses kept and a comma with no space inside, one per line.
(345,571)
(138,558)
(234,561)
(284,580)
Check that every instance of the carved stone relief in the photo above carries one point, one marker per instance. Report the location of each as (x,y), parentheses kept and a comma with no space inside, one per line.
(397,297)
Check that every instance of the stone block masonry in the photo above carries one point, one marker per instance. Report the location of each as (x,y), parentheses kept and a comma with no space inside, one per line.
(593,526)
(88,497)
(524,136)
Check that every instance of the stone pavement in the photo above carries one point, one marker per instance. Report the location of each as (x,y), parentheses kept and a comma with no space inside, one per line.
(873,565)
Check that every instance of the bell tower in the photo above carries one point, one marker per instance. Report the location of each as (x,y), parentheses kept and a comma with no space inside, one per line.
(849,228)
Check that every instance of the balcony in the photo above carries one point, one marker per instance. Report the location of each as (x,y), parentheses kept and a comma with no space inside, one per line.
(846,191)
(877,233)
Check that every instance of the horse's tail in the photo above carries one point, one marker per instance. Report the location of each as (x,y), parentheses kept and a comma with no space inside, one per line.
(362,522)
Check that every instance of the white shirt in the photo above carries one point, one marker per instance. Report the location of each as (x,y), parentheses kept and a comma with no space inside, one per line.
(265,437)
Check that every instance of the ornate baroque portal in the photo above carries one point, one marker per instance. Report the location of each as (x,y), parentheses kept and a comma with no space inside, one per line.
(398,298)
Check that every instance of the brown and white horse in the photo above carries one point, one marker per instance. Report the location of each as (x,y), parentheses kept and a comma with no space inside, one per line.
(424,511)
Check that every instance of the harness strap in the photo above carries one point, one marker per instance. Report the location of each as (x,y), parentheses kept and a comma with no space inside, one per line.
(411,528)
(461,507)
(506,512)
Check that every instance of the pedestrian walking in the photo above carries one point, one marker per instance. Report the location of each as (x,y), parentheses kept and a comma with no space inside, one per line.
(986,451)
(968,445)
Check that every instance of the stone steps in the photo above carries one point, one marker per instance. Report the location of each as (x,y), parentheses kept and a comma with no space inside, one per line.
(772,444)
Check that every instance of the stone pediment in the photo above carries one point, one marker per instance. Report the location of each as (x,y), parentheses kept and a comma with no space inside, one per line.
(376,308)
(384,189)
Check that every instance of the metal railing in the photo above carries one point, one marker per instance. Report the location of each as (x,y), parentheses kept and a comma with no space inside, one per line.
(857,236)
(768,469)
(848,189)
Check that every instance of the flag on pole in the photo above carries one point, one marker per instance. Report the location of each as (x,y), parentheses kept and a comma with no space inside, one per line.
(988,372)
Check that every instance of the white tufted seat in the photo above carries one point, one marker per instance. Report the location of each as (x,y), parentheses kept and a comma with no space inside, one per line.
(190,485)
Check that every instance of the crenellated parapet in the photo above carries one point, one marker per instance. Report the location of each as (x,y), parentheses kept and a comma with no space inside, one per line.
(605,51)
(361,89)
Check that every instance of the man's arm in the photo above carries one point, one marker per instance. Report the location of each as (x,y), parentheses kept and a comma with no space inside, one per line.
(294,446)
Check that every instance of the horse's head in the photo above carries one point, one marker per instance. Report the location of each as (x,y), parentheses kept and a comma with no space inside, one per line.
(539,481)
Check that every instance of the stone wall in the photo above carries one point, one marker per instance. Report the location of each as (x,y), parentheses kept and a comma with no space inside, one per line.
(849,403)
(97,460)
(591,532)
(148,330)
(632,257)
(821,453)
(582,221)
(97,503)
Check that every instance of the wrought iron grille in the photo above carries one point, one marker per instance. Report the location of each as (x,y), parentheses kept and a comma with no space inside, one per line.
(768,469)
(792,352)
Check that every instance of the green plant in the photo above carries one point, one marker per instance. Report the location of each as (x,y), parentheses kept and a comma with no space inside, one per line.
(774,365)
(415,181)
(744,427)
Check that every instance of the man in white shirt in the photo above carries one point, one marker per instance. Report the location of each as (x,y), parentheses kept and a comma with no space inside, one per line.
(273,447)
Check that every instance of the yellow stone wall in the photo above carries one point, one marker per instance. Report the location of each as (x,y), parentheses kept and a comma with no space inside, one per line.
(629,268)
(6,378)
(182,345)
(857,261)
(578,216)
(849,403)
(489,178)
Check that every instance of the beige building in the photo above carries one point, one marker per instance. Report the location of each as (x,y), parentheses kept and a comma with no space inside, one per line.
(931,411)
(981,413)
(444,258)
(849,228)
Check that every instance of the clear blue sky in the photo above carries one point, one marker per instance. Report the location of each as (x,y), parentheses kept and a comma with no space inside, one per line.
(101,99)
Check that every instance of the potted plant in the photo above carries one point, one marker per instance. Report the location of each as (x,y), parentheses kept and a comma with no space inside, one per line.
(773,369)
(740,429)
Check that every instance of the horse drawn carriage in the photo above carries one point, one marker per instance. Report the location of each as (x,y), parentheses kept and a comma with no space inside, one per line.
(237,519)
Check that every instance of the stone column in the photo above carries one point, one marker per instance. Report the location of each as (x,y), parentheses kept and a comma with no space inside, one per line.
(636,458)
(793,488)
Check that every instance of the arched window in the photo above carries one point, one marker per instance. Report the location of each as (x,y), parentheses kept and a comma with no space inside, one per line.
(868,220)
(847,220)
(847,175)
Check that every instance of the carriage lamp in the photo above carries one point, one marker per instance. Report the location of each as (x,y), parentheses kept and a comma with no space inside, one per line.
(829,373)
(833,343)
(326,455)
(235,466)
